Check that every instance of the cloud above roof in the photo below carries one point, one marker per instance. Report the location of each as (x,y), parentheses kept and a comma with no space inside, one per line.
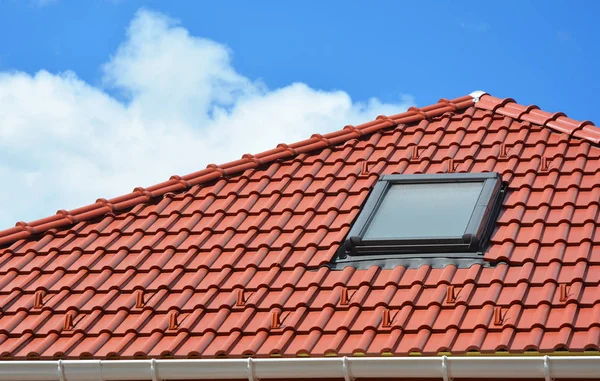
(170,103)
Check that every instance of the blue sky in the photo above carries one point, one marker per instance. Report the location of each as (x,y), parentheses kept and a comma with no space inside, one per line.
(546,55)
(101,96)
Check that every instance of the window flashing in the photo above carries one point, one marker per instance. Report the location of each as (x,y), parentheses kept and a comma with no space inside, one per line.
(467,246)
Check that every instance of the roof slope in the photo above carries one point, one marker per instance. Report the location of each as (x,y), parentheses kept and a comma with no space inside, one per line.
(229,261)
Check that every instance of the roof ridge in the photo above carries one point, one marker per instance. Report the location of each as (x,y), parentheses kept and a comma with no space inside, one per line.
(64,218)
(557,121)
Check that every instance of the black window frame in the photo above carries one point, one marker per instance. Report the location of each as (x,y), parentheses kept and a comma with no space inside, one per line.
(471,243)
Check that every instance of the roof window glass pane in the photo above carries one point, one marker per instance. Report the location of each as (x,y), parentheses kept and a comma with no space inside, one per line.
(425,210)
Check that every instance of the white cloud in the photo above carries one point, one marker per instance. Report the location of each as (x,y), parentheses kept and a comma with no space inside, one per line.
(64,143)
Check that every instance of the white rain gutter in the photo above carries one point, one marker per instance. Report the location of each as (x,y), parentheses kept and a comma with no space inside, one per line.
(347,368)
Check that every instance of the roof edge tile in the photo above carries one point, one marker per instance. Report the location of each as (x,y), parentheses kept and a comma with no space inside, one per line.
(558,122)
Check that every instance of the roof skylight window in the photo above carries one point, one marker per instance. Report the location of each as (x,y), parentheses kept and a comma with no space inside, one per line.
(426,216)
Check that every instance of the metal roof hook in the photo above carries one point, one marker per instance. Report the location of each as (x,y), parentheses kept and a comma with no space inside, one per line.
(547,368)
(445,376)
(154,370)
(346,369)
(251,376)
(61,371)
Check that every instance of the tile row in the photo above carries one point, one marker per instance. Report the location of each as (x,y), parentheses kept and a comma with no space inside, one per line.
(299,277)
(290,298)
(301,319)
(286,343)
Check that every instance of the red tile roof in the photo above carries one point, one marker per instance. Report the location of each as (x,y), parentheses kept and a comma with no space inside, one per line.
(229,261)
